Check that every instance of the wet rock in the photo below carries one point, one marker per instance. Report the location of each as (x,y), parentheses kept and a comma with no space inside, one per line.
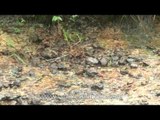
(115,58)
(120,54)
(62,66)
(139,59)
(114,61)
(91,60)
(130,60)
(103,62)
(53,68)
(133,65)
(114,64)
(54,71)
(124,72)
(91,72)
(16,71)
(122,61)
(97,86)
(15,83)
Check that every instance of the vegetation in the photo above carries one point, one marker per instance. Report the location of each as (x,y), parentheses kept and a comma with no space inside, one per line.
(72,28)
(14,52)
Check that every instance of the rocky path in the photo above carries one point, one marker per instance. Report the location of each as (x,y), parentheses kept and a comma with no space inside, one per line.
(89,73)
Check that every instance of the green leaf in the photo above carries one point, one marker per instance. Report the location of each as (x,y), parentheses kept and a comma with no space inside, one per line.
(17,30)
(56,19)
(74,16)
(10,43)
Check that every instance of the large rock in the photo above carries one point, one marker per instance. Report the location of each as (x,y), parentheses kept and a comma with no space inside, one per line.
(133,65)
(122,61)
(115,58)
(91,72)
(91,60)
(97,86)
(53,68)
(103,61)
(130,60)
(114,64)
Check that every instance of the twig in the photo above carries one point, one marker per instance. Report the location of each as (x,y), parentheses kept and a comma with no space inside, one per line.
(39,79)
(55,59)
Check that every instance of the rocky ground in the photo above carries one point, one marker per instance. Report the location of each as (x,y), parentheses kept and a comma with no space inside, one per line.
(105,69)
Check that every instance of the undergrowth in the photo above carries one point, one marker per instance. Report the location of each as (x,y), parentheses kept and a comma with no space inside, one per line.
(14,52)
